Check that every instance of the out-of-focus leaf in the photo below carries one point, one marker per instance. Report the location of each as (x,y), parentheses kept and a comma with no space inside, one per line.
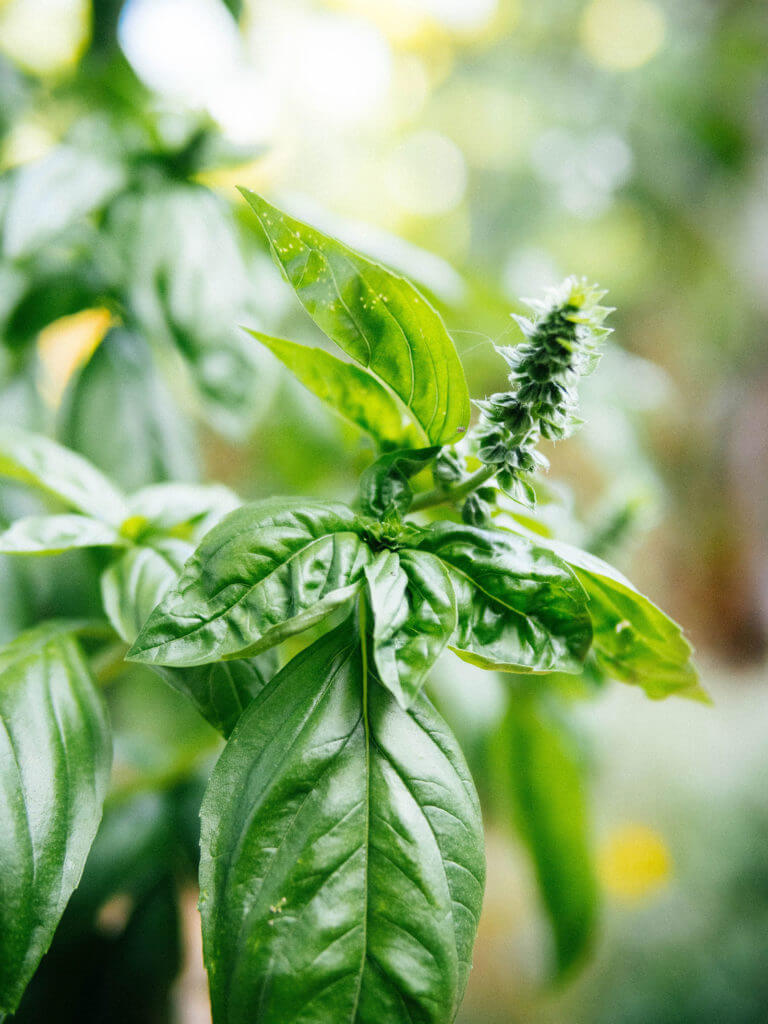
(377,317)
(50,535)
(54,192)
(266,572)
(342,864)
(634,641)
(132,586)
(384,487)
(414,616)
(118,413)
(543,770)
(170,506)
(351,391)
(520,607)
(188,288)
(40,462)
(55,752)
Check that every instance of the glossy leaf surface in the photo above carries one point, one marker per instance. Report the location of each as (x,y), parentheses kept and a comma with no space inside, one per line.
(35,460)
(267,571)
(544,775)
(384,487)
(49,535)
(520,607)
(132,586)
(377,317)
(351,391)
(635,642)
(342,855)
(55,753)
(414,614)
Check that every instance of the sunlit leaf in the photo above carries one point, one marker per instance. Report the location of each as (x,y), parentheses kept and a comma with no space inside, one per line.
(342,863)
(41,463)
(49,535)
(377,317)
(349,390)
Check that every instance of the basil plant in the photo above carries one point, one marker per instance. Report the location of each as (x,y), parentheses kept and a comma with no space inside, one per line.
(341,849)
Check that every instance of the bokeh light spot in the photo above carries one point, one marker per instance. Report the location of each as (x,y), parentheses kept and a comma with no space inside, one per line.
(633,863)
(45,37)
(622,34)
(427,174)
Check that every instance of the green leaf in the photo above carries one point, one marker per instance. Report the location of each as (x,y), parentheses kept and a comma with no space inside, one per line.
(50,535)
(543,771)
(342,864)
(131,588)
(55,753)
(51,194)
(118,413)
(35,460)
(267,571)
(520,607)
(414,616)
(170,506)
(351,391)
(385,490)
(377,317)
(634,641)
(177,247)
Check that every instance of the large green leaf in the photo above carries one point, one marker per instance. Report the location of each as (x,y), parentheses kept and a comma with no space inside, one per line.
(35,460)
(520,607)
(342,865)
(119,414)
(267,571)
(351,391)
(634,641)
(543,772)
(49,535)
(414,616)
(131,588)
(55,752)
(377,317)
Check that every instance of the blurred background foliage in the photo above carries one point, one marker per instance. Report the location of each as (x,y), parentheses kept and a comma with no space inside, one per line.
(485,148)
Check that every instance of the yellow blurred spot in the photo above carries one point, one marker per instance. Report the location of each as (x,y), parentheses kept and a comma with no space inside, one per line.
(622,34)
(633,862)
(65,345)
(45,37)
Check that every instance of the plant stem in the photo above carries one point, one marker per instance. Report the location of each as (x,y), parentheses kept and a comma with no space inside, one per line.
(450,495)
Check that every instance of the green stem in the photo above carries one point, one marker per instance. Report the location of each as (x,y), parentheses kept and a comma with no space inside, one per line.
(451,495)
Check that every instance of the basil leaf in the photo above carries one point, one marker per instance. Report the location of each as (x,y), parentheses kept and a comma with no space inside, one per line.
(384,487)
(414,616)
(99,416)
(51,194)
(40,462)
(634,641)
(55,753)
(267,571)
(132,586)
(342,866)
(50,535)
(520,607)
(169,506)
(543,771)
(351,391)
(377,317)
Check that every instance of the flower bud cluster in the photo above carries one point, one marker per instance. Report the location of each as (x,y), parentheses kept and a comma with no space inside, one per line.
(561,344)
